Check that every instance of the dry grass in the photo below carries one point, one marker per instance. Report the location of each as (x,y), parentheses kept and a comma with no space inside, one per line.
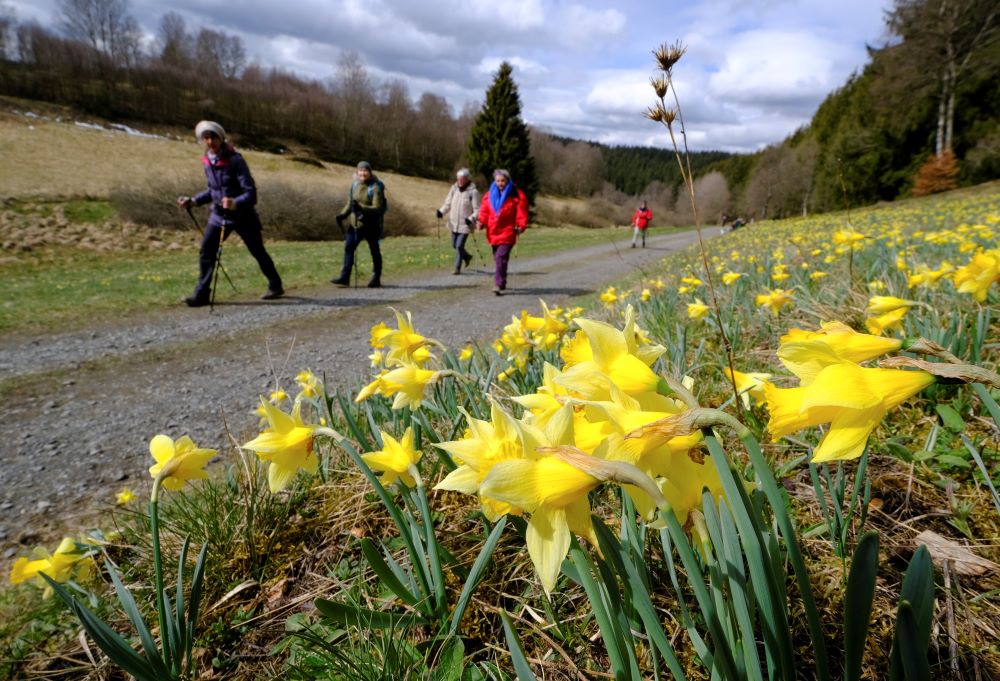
(58,160)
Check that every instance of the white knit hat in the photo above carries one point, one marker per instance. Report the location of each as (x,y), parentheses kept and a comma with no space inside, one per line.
(209,126)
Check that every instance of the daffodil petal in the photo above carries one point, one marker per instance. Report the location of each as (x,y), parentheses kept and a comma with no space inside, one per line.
(548,539)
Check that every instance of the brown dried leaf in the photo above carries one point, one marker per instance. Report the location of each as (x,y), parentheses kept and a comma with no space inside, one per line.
(963,561)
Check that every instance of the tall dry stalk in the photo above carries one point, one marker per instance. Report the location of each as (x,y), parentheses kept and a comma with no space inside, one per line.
(667,57)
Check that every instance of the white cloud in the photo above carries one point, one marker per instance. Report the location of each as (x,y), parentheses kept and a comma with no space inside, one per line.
(755,69)
(778,67)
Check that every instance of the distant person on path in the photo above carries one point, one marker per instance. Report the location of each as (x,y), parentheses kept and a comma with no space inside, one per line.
(503,213)
(461,204)
(641,221)
(366,203)
(233,194)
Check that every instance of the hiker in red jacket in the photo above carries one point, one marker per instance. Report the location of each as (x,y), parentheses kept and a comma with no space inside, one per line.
(503,213)
(641,221)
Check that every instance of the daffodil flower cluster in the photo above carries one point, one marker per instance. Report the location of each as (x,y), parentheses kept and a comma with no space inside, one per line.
(401,355)
(605,416)
(833,388)
(527,333)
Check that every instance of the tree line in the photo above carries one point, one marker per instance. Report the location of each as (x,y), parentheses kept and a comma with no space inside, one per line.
(928,93)
(926,102)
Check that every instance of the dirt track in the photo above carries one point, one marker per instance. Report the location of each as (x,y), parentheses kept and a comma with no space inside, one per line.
(83,405)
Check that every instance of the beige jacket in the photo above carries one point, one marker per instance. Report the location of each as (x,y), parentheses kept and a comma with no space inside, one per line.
(459,205)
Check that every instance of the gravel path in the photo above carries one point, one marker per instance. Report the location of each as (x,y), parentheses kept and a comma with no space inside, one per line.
(84,405)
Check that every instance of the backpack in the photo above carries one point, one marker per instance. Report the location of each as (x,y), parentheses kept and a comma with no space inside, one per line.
(371,191)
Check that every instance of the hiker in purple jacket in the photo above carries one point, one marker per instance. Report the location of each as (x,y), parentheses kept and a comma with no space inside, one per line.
(233,194)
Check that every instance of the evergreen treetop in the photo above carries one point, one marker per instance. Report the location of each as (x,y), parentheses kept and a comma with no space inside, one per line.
(499,138)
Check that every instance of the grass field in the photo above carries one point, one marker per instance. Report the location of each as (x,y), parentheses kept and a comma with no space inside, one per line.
(67,288)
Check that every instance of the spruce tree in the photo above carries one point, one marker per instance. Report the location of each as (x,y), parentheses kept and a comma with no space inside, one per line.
(499,138)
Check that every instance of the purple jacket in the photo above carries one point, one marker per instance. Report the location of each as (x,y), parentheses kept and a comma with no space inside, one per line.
(229,177)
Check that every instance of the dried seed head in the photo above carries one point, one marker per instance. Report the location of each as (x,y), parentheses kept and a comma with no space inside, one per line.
(655,113)
(669,115)
(668,55)
(660,86)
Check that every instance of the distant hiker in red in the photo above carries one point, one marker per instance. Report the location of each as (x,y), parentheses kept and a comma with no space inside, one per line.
(233,194)
(503,213)
(641,221)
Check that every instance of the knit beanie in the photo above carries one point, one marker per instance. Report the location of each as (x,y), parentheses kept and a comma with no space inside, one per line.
(209,126)
(364,165)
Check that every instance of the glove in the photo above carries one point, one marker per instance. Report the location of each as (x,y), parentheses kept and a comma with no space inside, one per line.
(469,221)
(185,201)
(439,214)
(519,230)
(340,221)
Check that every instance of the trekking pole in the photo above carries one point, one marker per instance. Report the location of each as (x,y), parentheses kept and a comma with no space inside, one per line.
(218,266)
(218,260)
(475,243)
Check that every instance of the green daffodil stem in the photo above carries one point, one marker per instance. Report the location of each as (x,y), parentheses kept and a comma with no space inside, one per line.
(154,531)
(432,546)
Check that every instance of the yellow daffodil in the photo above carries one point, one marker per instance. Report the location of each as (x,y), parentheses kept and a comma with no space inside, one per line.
(575,350)
(748,384)
(879,305)
(277,396)
(407,383)
(64,564)
(287,446)
(486,444)
(697,310)
(612,362)
(774,300)
(693,282)
(847,237)
(852,399)
(465,354)
(806,353)
(179,461)
(817,275)
(610,296)
(377,335)
(397,460)
(308,384)
(645,295)
(979,274)
(730,278)
(545,331)
(405,345)
(124,497)
(376,359)
(889,321)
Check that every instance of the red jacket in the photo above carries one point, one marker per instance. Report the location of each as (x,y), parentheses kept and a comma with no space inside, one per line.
(642,217)
(513,213)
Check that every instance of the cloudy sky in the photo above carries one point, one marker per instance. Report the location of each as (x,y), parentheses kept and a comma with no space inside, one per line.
(755,70)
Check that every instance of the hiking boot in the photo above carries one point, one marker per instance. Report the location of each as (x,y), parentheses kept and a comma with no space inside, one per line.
(341,281)
(496,291)
(457,271)
(196,301)
(272,294)
(467,258)
(375,282)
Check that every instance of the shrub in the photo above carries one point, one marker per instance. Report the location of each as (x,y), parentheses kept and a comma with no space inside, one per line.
(937,174)
(286,211)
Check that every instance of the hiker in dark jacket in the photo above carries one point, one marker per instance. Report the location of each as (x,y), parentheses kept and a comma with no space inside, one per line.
(233,194)
(461,203)
(366,203)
